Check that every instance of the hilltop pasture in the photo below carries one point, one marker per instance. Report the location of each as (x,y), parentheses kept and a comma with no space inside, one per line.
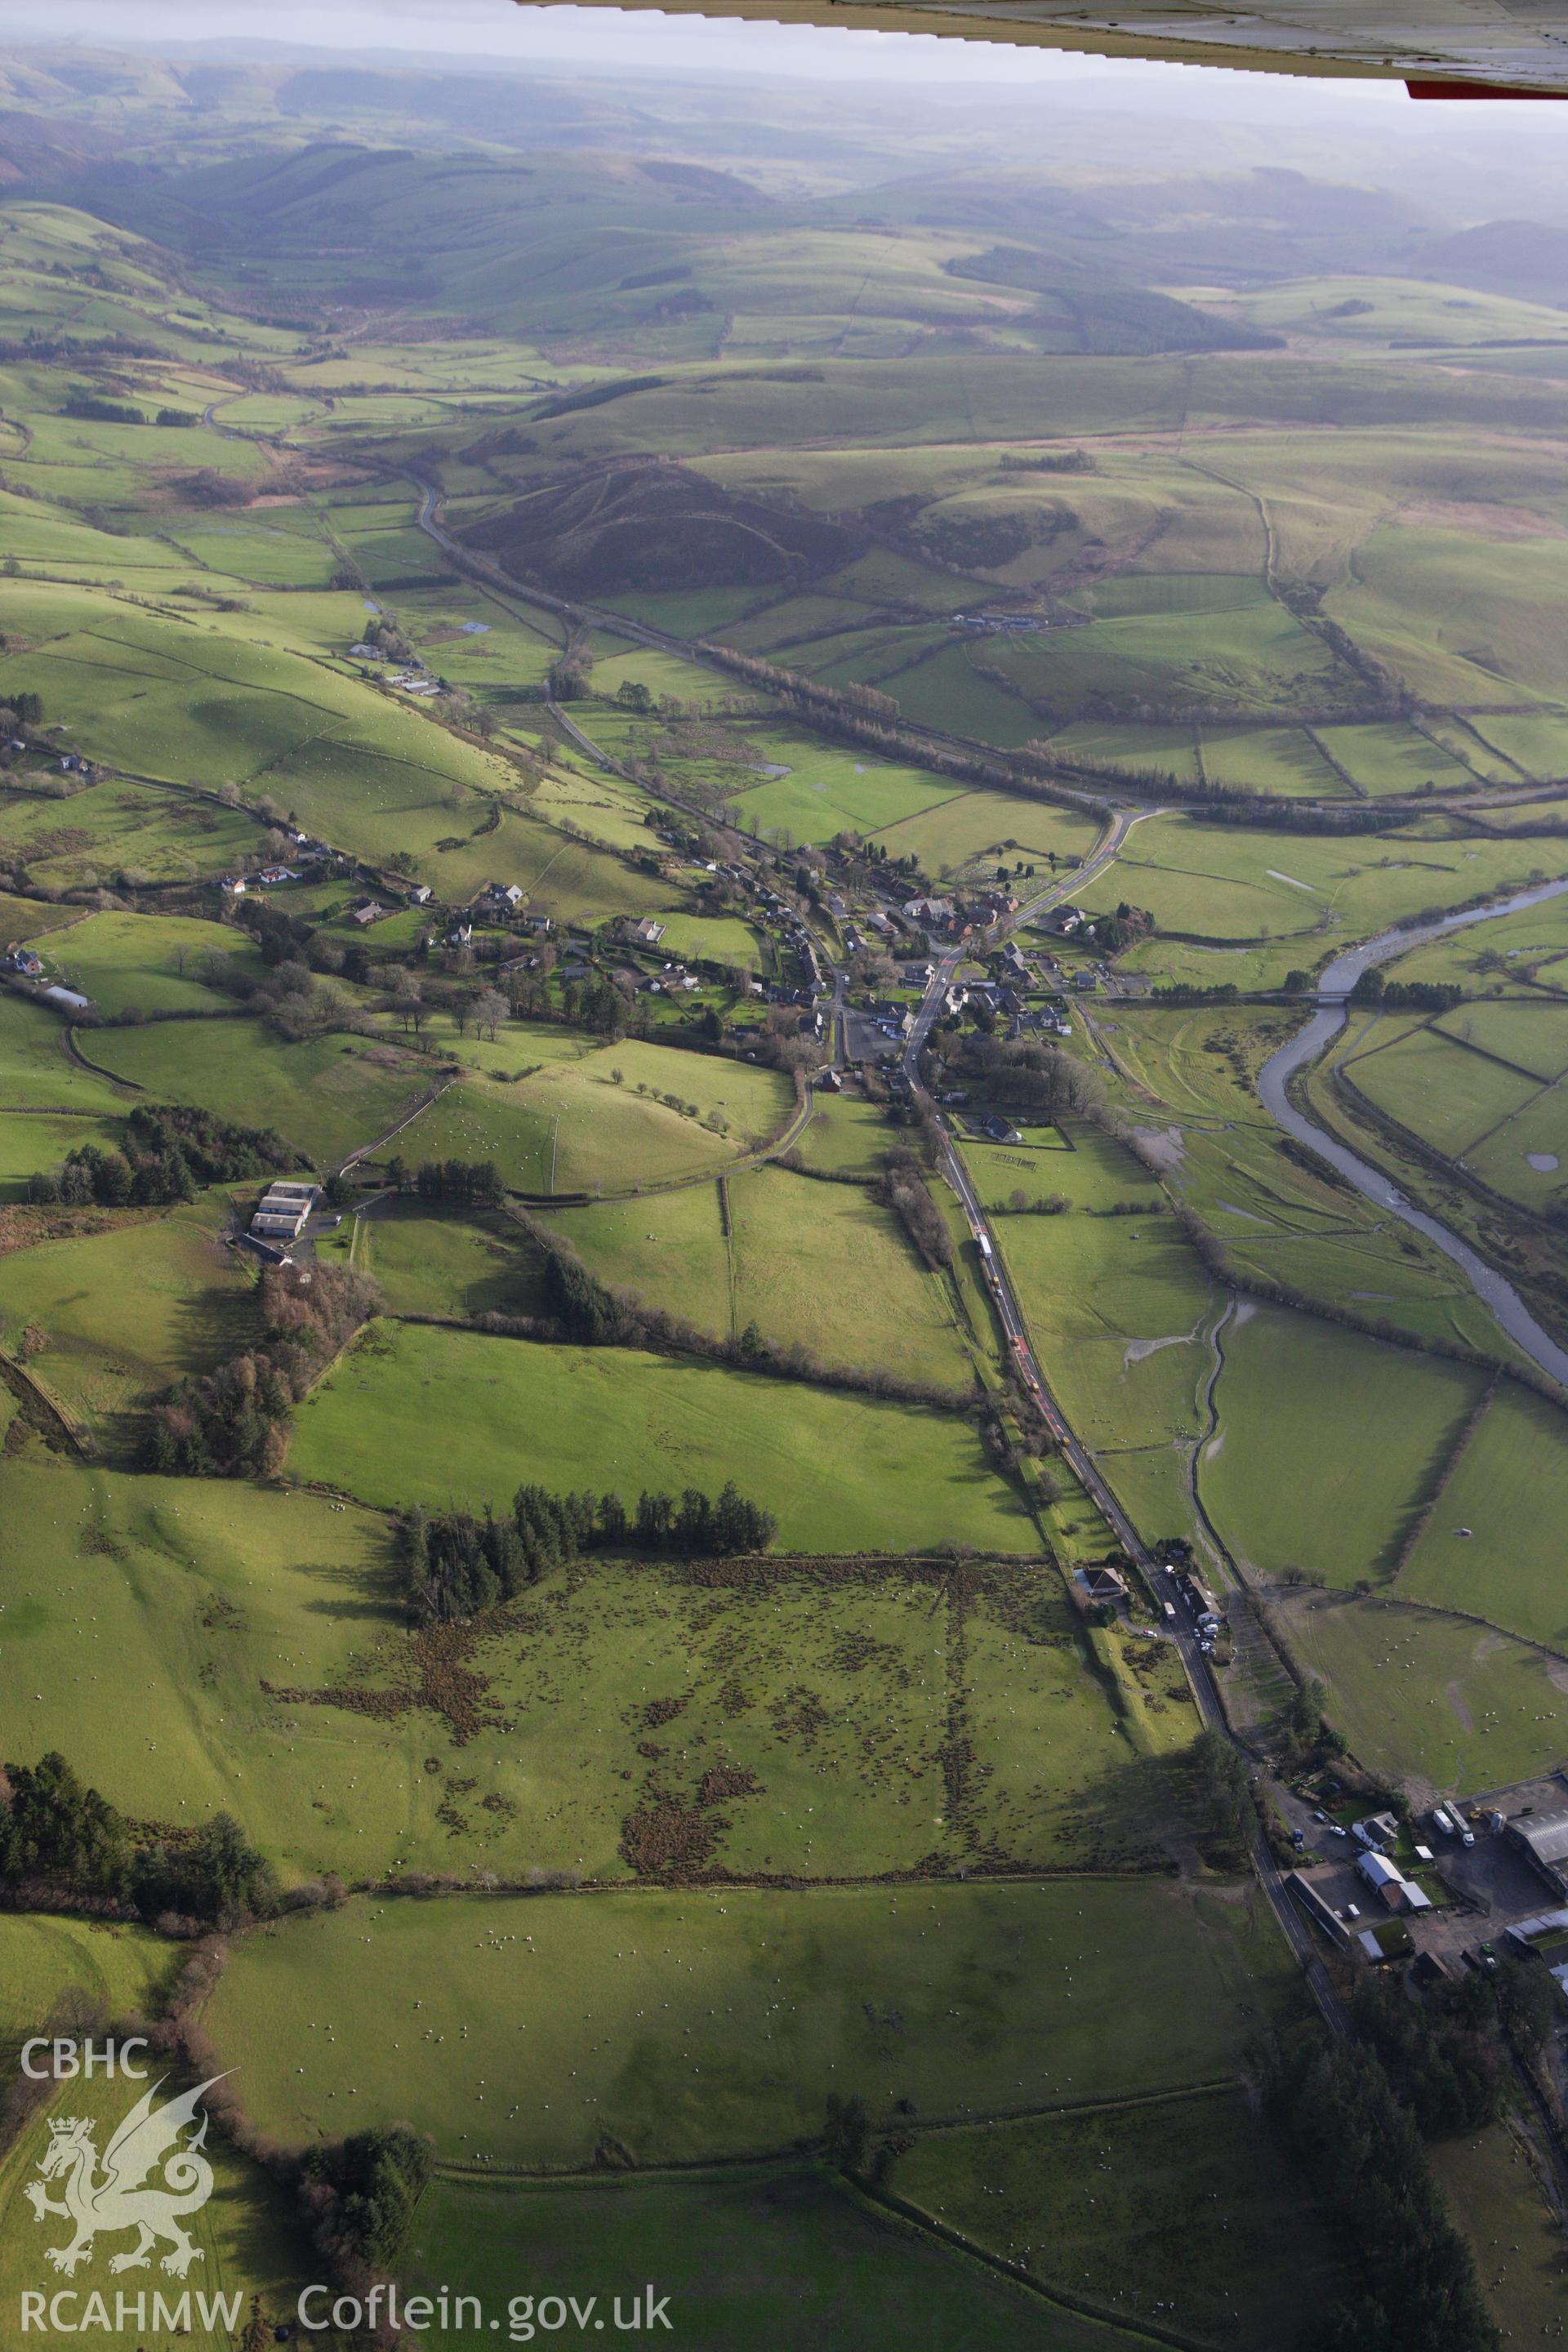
(144,964)
(886,1476)
(46,1961)
(244,2232)
(596,1117)
(783,2250)
(790,1723)
(1373,1428)
(1500,1570)
(124,1312)
(704,2023)
(1021,2190)
(326,1096)
(1226,882)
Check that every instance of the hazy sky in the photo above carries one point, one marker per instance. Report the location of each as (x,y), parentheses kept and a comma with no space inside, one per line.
(558,35)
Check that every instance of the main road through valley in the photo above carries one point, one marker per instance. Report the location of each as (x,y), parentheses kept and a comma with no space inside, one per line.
(1075,1453)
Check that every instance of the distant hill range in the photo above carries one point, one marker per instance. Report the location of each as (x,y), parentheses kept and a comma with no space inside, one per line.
(1502,256)
(574,197)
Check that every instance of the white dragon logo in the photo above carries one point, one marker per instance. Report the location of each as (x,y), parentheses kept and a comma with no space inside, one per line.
(148,2138)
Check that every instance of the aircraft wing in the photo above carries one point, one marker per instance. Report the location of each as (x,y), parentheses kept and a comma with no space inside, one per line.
(1442,49)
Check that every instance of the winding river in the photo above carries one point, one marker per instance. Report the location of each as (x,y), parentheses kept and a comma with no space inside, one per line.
(1338,978)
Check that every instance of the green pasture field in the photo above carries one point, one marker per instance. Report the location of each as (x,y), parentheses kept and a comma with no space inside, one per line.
(29,919)
(45,1959)
(204,702)
(520,1049)
(1431,1699)
(668,1248)
(1137,595)
(54,540)
(662,673)
(712,939)
(1355,1267)
(886,1476)
(1449,609)
(393,938)
(827,1269)
(790,2255)
(122,827)
(1328,1445)
(947,691)
(766,2004)
(798,1728)
(882,576)
(571,1128)
(784,623)
(1396,308)
(1535,940)
(1499,2202)
(1461,1312)
(261,1638)
(1254,659)
(1199,1061)
(825,1266)
(1507,1570)
(126,1311)
(249,2242)
(327,1095)
(270,412)
(1388,756)
(1180,963)
(1453,1098)
(1473,753)
(389,554)
(918,407)
(1270,760)
(1536,741)
(1118,1307)
(431,1261)
(1124,743)
(1536,1134)
(861,648)
(1088,1169)
(976,827)
(830,789)
(709,612)
(1150,1481)
(702,765)
(39,1143)
(1230,883)
(143,963)
(324,621)
(847,1135)
(262,548)
(1531,1034)
(611,812)
(1119,2206)
(36,1074)
(576,881)
(1188,897)
(142,1616)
